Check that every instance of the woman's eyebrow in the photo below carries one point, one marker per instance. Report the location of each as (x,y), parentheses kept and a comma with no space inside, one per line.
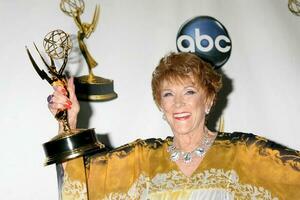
(167,89)
(190,86)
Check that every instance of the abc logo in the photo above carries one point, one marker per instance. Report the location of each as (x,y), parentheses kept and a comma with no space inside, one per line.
(199,38)
(206,37)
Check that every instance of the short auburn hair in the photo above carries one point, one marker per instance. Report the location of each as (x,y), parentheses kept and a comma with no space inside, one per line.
(178,67)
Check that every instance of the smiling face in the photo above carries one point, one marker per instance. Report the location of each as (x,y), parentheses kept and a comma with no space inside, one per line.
(184,105)
(184,87)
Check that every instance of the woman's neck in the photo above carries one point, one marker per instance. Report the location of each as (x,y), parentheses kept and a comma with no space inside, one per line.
(189,142)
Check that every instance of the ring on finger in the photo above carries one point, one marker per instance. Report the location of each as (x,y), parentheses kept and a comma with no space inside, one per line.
(49,98)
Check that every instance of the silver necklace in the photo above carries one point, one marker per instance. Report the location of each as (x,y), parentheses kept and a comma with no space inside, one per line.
(187,157)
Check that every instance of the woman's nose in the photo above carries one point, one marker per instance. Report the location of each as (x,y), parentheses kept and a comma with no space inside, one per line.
(179,101)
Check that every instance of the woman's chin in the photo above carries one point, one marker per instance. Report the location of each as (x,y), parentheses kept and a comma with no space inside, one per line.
(181,132)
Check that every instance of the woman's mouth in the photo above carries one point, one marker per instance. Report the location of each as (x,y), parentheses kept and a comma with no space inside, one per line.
(182,116)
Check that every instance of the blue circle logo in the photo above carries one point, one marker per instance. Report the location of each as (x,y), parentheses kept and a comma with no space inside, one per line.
(206,37)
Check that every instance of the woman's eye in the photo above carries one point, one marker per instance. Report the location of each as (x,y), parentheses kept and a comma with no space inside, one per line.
(191,92)
(167,94)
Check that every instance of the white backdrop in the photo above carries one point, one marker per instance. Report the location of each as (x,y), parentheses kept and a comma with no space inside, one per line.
(131,37)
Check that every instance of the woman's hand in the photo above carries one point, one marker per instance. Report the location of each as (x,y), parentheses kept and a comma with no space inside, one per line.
(59,101)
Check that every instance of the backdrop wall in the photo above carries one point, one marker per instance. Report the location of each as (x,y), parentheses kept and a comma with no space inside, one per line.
(130,39)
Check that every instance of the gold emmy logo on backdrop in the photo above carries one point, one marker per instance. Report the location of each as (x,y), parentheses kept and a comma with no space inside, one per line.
(221,124)
(88,87)
(294,6)
(70,143)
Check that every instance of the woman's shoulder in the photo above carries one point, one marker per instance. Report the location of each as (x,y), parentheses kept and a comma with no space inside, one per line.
(241,138)
(137,145)
(251,139)
(150,143)
(261,145)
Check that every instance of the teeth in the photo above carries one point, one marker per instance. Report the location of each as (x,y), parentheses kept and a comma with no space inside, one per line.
(182,115)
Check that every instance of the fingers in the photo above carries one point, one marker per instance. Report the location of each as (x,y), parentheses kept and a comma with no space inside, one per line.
(59,100)
(63,98)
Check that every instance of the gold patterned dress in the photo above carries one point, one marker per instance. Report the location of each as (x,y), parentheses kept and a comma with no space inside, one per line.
(237,166)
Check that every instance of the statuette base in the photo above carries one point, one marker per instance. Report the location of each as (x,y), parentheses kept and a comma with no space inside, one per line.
(67,146)
(94,88)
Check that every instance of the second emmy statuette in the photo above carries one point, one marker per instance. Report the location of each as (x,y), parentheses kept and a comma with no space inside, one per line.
(88,87)
(70,143)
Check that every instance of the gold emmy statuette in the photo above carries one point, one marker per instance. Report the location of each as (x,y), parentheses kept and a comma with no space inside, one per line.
(70,143)
(294,6)
(88,87)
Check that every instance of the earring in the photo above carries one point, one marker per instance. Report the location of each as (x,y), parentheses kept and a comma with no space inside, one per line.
(164,117)
(207,111)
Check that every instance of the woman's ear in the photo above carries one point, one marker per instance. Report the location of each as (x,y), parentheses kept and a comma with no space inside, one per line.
(207,110)
(208,104)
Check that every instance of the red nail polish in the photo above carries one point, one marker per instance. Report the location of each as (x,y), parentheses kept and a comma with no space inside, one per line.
(68,106)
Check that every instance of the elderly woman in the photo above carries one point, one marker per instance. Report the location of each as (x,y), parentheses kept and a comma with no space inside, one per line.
(195,163)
